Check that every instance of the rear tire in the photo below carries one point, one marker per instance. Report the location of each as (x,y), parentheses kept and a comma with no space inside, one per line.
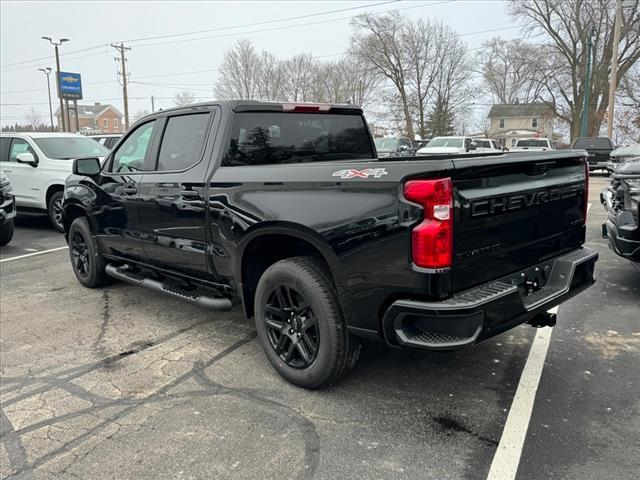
(300,324)
(54,209)
(6,233)
(86,260)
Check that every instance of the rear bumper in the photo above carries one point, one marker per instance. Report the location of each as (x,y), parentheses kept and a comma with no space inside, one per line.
(482,312)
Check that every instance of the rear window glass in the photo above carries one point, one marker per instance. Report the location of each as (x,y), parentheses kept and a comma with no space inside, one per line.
(592,143)
(532,143)
(263,138)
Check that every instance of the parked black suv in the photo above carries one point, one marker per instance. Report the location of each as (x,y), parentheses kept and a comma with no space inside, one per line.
(598,148)
(287,209)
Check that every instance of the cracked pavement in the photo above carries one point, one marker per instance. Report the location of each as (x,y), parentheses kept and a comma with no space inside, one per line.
(125,383)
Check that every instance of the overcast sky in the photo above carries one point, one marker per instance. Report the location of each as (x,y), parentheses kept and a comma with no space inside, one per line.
(92,25)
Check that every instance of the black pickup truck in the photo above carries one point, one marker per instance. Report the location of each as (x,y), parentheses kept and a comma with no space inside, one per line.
(598,148)
(287,209)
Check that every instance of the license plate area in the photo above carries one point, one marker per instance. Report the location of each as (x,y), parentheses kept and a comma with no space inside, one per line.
(532,279)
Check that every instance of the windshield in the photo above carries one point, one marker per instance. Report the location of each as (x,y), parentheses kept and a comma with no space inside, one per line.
(66,148)
(386,143)
(455,142)
(532,143)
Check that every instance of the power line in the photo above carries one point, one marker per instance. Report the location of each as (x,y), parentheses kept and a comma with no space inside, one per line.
(285,27)
(266,22)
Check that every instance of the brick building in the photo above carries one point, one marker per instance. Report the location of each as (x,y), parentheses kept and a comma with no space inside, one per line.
(96,118)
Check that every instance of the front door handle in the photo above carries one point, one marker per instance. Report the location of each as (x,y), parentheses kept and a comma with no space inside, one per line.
(129,190)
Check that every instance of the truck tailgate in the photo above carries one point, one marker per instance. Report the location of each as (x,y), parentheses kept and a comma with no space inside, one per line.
(512,213)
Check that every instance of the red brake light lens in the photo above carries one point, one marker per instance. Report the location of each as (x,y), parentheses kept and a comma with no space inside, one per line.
(305,107)
(432,240)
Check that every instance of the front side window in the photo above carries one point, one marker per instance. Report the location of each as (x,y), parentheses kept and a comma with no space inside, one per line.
(130,155)
(19,146)
(264,138)
(183,141)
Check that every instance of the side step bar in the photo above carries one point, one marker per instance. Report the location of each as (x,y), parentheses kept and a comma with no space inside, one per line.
(194,296)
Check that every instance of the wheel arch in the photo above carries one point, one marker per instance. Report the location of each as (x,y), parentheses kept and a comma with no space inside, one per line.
(72,210)
(267,244)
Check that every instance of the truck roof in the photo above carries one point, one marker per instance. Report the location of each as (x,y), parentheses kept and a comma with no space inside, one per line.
(256,105)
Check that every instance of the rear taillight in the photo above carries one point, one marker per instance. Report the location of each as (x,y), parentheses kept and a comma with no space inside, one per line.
(432,240)
(585,206)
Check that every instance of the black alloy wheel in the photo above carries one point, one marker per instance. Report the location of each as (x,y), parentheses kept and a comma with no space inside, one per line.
(292,327)
(80,254)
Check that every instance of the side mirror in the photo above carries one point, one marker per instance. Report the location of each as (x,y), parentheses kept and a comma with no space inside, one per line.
(28,158)
(86,166)
(472,146)
(403,148)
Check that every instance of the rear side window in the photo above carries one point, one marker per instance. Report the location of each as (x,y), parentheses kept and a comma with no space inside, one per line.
(599,143)
(183,141)
(264,138)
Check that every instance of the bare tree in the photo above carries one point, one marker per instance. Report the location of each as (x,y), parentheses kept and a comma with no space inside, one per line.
(184,98)
(33,117)
(238,77)
(509,70)
(561,67)
(298,74)
(378,42)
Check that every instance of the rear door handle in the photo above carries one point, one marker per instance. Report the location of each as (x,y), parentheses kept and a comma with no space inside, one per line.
(129,190)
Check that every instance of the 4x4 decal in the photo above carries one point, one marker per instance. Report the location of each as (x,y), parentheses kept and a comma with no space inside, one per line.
(369,172)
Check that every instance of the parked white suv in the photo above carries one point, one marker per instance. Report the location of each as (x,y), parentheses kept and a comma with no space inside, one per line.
(37,165)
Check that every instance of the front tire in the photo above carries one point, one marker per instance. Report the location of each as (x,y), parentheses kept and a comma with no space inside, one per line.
(6,233)
(54,209)
(300,324)
(86,260)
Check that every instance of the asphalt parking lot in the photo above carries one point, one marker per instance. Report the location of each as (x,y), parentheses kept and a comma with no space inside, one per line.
(125,383)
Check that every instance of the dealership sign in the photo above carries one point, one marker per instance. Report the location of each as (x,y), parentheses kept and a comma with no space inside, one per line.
(70,86)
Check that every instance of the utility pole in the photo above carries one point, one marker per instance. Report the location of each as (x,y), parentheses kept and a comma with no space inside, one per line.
(57,44)
(587,84)
(47,72)
(613,80)
(121,49)
(153,108)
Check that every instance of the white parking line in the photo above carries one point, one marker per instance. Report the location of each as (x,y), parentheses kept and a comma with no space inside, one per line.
(507,458)
(32,254)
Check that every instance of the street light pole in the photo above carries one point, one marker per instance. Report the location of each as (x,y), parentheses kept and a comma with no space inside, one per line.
(587,85)
(47,72)
(57,44)
(614,69)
